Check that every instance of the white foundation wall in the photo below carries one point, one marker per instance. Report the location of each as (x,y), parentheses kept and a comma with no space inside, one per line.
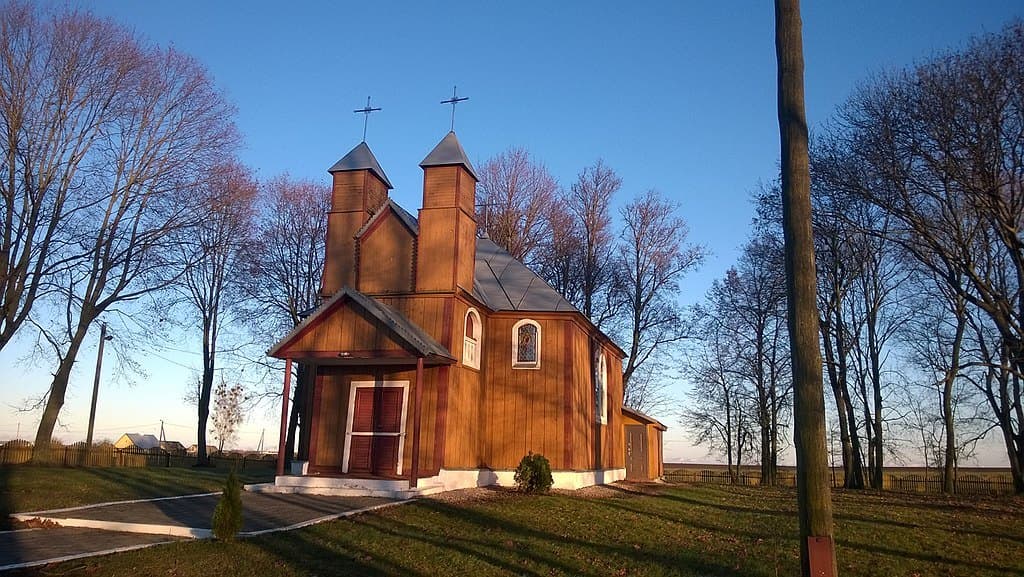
(464,479)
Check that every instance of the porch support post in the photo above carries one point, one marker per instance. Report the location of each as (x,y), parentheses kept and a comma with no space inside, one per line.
(414,470)
(282,441)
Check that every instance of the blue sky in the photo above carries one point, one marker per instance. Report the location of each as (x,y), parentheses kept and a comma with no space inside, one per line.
(677,96)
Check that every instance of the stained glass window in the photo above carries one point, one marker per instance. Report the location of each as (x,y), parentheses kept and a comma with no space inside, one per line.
(526,344)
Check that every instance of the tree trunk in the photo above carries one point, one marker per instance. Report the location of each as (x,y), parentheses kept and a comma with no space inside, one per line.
(58,389)
(813,491)
(948,423)
(205,392)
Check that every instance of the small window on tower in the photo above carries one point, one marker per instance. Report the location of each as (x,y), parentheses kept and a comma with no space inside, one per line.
(526,345)
(471,342)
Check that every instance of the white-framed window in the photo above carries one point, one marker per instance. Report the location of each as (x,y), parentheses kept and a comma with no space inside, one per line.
(601,392)
(472,339)
(526,345)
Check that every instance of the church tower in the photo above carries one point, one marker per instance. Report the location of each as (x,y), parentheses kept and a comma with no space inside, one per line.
(360,188)
(446,253)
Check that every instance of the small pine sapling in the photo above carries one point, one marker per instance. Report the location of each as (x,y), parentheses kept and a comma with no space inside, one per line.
(227,516)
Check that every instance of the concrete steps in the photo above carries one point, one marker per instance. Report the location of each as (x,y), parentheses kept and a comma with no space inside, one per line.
(345,487)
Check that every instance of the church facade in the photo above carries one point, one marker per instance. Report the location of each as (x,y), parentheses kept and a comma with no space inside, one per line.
(436,360)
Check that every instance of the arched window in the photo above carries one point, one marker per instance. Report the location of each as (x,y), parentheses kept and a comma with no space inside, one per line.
(471,341)
(602,390)
(526,345)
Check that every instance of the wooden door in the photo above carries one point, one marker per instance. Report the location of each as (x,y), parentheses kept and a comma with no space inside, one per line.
(636,453)
(376,430)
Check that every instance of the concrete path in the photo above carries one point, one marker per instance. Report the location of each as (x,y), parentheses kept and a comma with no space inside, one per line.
(112,527)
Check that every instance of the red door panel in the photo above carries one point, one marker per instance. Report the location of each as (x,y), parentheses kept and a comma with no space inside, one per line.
(362,413)
(385,455)
(359,460)
(388,417)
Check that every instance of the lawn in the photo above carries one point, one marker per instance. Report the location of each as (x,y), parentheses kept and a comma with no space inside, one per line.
(33,488)
(674,530)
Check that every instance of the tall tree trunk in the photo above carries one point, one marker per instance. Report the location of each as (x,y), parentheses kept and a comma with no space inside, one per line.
(841,403)
(59,388)
(813,491)
(205,393)
(874,359)
(948,423)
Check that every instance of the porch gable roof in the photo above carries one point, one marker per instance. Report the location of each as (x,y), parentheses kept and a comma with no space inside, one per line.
(401,330)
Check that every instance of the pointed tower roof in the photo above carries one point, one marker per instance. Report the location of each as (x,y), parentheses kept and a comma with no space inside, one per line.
(360,158)
(449,152)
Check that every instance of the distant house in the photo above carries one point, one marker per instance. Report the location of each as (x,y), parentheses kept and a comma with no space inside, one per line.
(210,449)
(137,441)
(173,447)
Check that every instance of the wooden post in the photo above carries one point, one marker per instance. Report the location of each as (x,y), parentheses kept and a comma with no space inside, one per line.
(414,470)
(284,416)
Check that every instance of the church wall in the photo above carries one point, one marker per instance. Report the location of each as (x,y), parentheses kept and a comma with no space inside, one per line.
(524,409)
(386,257)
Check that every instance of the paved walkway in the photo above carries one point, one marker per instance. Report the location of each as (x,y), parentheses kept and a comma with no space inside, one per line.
(113,527)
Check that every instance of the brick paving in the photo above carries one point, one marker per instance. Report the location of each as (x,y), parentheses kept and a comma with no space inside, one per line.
(261,512)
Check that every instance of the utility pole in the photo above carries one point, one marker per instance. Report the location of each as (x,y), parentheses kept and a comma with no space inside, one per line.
(96,387)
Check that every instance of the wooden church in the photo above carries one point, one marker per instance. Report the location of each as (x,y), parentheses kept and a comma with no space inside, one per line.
(436,360)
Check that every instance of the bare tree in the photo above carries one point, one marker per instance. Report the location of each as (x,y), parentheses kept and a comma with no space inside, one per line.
(750,300)
(160,130)
(717,413)
(588,200)
(940,150)
(515,195)
(814,494)
(65,79)
(286,263)
(215,251)
(654,256)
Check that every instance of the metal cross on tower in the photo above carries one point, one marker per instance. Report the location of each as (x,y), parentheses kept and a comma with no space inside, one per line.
(453,101)
(366,115)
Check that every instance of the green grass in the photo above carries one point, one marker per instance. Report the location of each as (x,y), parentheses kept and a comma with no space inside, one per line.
(681,530)
(33,488)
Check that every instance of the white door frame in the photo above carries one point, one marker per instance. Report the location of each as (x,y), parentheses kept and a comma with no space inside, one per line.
(351,408)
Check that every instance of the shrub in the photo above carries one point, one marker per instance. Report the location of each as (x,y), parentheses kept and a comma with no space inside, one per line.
(533,475)
(227,517)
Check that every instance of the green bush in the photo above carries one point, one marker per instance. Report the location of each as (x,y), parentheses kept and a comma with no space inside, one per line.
(533,475)
(227,517)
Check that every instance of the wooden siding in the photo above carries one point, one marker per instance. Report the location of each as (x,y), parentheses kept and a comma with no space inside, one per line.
(345,329)
(357,190)
(339,260)
(386,257)
(435,251)
(525,409)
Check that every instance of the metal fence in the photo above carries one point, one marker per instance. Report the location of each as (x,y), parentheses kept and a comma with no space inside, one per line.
(966,484)
(76,455)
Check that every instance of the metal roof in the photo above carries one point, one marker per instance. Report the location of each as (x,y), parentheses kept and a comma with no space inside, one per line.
(504,284)
(143,441)
(360,158)
(643,417)
(449,152)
